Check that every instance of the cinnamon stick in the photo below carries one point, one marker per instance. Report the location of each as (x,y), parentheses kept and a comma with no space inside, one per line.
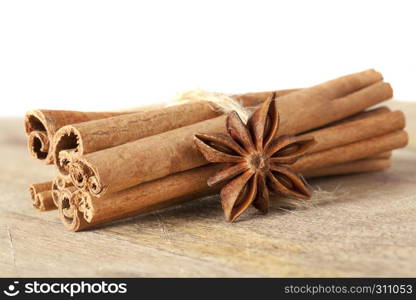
(146,197)
(87,137)
(363,126)
(41,196)
(65,204)
(353,151)
(150,158)
(41,125)
(358,166)
(323,111)
(363,114)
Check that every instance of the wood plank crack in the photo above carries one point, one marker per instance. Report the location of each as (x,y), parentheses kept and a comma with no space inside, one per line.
(11,245)
(163,227)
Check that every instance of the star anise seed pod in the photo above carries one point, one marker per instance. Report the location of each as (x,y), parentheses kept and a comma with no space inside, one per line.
(256,163)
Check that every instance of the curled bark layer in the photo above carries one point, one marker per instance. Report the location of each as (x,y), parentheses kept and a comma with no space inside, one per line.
(41,125)
(69,213)
(354,151)
(59,184)
(41,196)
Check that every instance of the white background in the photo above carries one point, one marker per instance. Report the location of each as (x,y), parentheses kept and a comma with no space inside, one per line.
(99,55)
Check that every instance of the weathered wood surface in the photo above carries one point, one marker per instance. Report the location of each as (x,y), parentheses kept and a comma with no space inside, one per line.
(364,225)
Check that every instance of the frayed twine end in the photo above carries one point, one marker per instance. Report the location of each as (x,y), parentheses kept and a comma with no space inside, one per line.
(320,197)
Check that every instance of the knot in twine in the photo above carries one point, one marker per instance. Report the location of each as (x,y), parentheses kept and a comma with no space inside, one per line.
(219,102)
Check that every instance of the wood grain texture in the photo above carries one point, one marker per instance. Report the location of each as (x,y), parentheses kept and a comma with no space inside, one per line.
(362,225)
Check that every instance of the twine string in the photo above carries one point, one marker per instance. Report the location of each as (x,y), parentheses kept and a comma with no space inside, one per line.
(220,102)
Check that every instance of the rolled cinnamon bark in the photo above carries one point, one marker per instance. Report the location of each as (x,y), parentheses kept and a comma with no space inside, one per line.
(59,184)
(87,137)
(149,196)
(45,201)
(41,196)
(387,154)
(363,126)
(41,125)
(62,183)
(353,151)
(150,158)
(358,166)
(65,204)
(371,112)
(323,110)
(330,90)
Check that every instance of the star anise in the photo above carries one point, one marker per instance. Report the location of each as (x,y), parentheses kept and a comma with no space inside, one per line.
(257,163)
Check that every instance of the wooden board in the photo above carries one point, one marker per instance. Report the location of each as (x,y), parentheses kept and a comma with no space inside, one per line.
(363,225)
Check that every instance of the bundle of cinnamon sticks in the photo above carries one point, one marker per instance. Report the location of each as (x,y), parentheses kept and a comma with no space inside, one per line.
(114,165)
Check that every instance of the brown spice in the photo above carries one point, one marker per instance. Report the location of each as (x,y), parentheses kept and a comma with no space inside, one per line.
(257,162)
